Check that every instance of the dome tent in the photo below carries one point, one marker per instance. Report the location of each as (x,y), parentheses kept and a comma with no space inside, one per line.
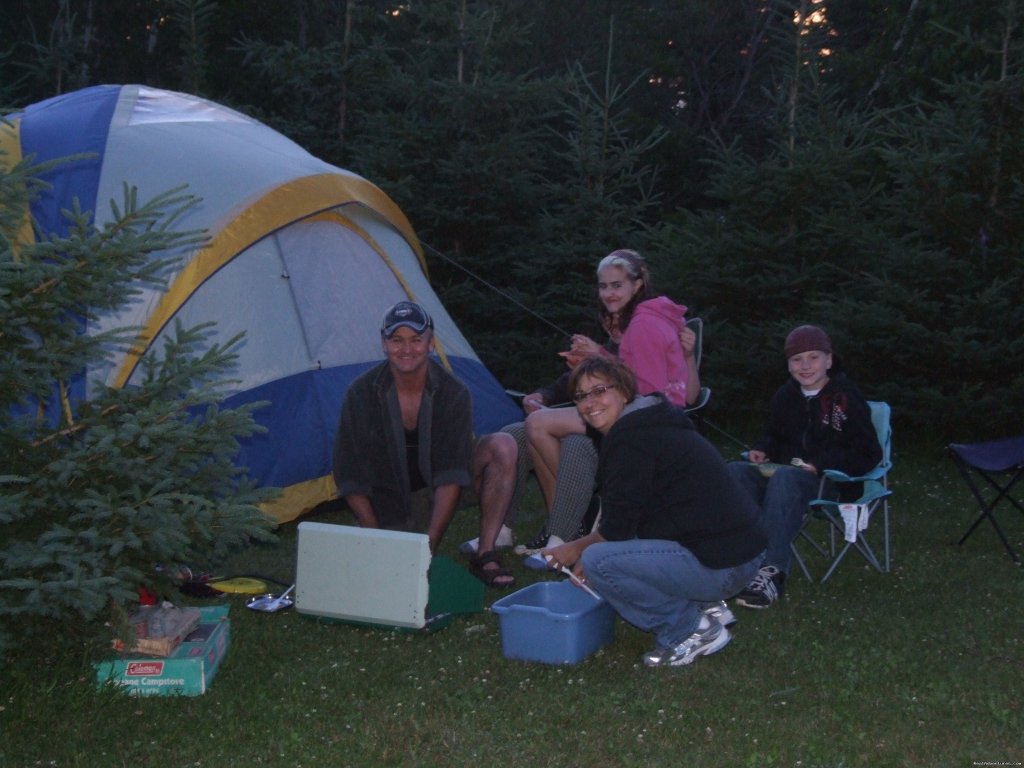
(303,257)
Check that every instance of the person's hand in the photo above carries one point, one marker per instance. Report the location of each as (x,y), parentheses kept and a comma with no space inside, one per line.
(563,555)
(572,358)
(800,463)
(568,557)
(584,345)
(688,340)
(556,558)
(757,457)
(533,402)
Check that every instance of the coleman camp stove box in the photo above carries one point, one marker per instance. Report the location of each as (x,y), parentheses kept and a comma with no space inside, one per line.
(188,671)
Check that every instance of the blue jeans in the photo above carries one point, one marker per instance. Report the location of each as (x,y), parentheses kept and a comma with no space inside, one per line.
(783,498)
(659,586)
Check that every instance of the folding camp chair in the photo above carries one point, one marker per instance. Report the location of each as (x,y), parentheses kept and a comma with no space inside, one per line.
(1004,458)
(848,521)
(697,325)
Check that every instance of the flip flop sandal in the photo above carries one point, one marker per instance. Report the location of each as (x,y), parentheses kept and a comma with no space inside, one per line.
(490,576)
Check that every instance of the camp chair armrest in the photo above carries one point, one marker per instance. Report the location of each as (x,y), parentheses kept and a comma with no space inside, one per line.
(702,400)
(841,477)
(867,498)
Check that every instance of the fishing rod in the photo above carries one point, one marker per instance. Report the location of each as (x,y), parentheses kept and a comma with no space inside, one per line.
(719,430)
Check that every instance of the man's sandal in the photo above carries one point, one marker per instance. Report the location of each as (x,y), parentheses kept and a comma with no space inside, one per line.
(499,576)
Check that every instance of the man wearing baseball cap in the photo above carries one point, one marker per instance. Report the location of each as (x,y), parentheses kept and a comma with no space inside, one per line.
(404,445)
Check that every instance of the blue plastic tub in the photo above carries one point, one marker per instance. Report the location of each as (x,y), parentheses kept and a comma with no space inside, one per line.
(554,623)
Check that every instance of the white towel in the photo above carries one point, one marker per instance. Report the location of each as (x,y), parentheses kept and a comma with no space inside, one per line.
(855,518)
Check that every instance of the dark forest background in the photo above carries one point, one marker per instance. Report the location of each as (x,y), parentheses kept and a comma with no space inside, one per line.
(851,163)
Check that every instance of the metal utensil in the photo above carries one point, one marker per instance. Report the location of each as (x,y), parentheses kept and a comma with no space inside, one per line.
(272,603)
(578,583)
(575,579)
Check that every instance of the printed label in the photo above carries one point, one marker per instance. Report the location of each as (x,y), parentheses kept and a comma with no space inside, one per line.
(141,668)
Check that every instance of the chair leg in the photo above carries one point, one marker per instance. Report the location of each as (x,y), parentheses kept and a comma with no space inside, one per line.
(835,564)
(861,545)
(838,546)
(800,561)
(803,534)
(885,532)
(988,507)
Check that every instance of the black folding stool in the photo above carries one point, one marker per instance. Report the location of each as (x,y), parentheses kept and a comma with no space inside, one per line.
(1004,458)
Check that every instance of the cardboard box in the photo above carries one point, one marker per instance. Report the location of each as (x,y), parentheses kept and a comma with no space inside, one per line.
(186,672)
(554,623)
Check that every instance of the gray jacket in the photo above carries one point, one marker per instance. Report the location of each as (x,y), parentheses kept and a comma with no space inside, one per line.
(369,449)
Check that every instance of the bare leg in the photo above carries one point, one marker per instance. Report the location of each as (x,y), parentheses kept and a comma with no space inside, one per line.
(494,476)
(445,499)
(523,467)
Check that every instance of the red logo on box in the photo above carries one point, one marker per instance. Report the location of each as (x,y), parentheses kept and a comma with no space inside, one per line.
(144,668)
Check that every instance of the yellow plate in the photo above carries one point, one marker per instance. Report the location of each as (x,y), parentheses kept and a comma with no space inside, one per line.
(240,585)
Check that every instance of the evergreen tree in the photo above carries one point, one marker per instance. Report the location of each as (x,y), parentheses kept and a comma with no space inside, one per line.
(518,171)
(192,19)
(523,180)
(897,229)
(94,495)
(418,99)
(601,195)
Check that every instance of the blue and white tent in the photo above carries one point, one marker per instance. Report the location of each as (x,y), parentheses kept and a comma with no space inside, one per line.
(303,257)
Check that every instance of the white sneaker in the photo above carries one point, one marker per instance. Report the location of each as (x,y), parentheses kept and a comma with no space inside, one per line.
(720,612)
(537,561)
(709,638)
(765,590)
(503,541)
(536,544)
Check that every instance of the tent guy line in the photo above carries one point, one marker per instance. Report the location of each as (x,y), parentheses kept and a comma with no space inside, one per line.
(494,288)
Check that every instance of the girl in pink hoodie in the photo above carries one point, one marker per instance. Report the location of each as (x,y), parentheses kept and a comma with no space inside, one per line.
(652,339)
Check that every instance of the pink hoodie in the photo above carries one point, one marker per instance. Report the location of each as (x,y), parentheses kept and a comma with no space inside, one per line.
(651,348)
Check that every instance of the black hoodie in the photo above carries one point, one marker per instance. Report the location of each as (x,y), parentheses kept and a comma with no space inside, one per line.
(660,479)
(831,430)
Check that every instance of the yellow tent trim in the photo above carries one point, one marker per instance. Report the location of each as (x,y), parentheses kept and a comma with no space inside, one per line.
(282,206)
(10,144)
(10,156)
(300,498)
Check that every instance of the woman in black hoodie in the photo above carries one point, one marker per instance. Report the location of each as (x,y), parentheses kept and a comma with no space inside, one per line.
(676,534)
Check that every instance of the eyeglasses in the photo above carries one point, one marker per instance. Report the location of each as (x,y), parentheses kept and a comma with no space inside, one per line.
(600,389)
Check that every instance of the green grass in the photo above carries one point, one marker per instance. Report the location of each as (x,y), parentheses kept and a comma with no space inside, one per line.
(920,667)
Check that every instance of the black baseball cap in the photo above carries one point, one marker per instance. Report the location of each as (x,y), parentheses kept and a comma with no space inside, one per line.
(408,314)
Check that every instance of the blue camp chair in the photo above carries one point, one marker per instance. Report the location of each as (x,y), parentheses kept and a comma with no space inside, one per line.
(1002,459)
(875,495)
